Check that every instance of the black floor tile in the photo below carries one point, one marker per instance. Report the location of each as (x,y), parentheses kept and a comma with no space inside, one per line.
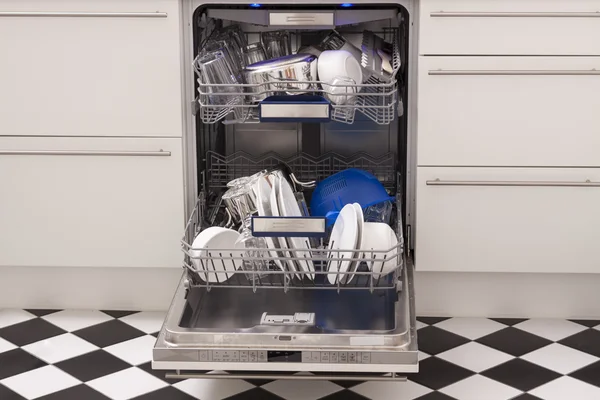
(41,312)
(30,331)
(509,321)
(435,396)
(436,373)
(17,361)
(521,374)
(255,394)
(7,394)
(344,395)
(590,323)
(589,374)
(92,365)
(118,313)
(587,341)
(79,392)
(159,373)
(166,393)
(109,333)
(526,396)
(433,340)
(431,320)
(514,341)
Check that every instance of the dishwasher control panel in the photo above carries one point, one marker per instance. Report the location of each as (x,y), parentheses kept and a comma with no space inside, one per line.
(318,357)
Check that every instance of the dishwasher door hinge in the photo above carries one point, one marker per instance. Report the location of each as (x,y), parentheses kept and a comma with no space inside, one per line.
(195,107)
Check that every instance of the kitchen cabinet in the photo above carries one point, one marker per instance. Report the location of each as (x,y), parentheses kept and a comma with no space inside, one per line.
(90,68)
(91,202)
(509,27)
(508,219)
(509,111)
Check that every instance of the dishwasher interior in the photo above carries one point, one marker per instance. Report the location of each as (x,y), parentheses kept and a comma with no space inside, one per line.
(224,319)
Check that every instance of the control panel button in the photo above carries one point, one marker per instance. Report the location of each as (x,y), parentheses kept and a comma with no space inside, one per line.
(253,355)
(244,356)
(262,356)
(352,357)
(334,357)
(365,358)
(315,357)
(306,356)
(343,357)
(324,356)
(203,355)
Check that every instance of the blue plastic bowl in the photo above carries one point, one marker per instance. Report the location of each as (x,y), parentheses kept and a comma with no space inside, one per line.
(348,186)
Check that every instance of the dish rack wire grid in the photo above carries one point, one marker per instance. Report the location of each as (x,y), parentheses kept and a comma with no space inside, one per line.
(377,98)
(210,268)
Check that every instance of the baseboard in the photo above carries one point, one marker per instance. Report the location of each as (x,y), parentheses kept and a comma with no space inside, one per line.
(437,293)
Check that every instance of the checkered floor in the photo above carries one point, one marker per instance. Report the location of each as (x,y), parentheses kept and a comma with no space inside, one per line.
(93,355)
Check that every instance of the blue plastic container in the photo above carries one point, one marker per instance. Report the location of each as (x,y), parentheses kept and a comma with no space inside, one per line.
(348,186)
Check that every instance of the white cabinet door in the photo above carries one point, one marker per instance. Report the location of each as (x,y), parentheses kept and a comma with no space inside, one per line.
(509,111)
(90,68)
(509,27)
(532,220)
(91,202)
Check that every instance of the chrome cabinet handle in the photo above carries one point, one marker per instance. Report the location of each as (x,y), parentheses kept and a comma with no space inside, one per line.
(441,14)
(514,72)
(587,183)
(83,14)
(160,153)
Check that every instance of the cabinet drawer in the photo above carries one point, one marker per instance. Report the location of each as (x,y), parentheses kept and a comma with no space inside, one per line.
(508,220)
(91,202)
(90,68)
(510,27)
(509,111)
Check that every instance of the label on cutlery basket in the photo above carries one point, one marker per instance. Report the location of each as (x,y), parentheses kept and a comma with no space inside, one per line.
(288,226)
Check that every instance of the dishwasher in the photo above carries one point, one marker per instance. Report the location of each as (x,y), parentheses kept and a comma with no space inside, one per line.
(227,323)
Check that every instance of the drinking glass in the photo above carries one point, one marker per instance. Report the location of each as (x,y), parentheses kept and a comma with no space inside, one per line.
(254,53)
(276,43)
(215,70)
(380,212)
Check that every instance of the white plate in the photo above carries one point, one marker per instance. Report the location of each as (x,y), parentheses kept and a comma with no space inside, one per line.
(380,236)
(215,239)
(263,191)
(343,237)
(360,223)
(281,242)
(288,207)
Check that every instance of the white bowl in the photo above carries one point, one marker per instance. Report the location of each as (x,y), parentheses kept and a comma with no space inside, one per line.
(378,236)
(338,63)
(214,240)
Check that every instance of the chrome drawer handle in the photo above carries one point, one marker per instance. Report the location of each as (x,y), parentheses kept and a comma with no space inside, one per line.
(438,14)
(160,153)
(514,72)
(587,183)
(83,14)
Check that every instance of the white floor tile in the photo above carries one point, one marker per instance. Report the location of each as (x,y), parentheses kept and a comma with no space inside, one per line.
(391,390)
(5,345)
(59,348)
(552,329)
(559,358)
(478,387)
(40,382)
(73,320)
(214,389)
(567,388)
(126,384)
(12,316)
(421,325)
(423,355)
(475,356)
(146,321)
(135,351)
(471,328)
(302,390)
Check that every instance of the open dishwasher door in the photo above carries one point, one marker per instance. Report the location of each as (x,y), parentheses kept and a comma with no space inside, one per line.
(359,324)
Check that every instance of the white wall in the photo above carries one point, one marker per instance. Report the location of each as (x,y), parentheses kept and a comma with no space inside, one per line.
(440,294)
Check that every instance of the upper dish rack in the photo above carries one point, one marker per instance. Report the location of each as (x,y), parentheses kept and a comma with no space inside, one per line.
(377,98)
(207,268)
